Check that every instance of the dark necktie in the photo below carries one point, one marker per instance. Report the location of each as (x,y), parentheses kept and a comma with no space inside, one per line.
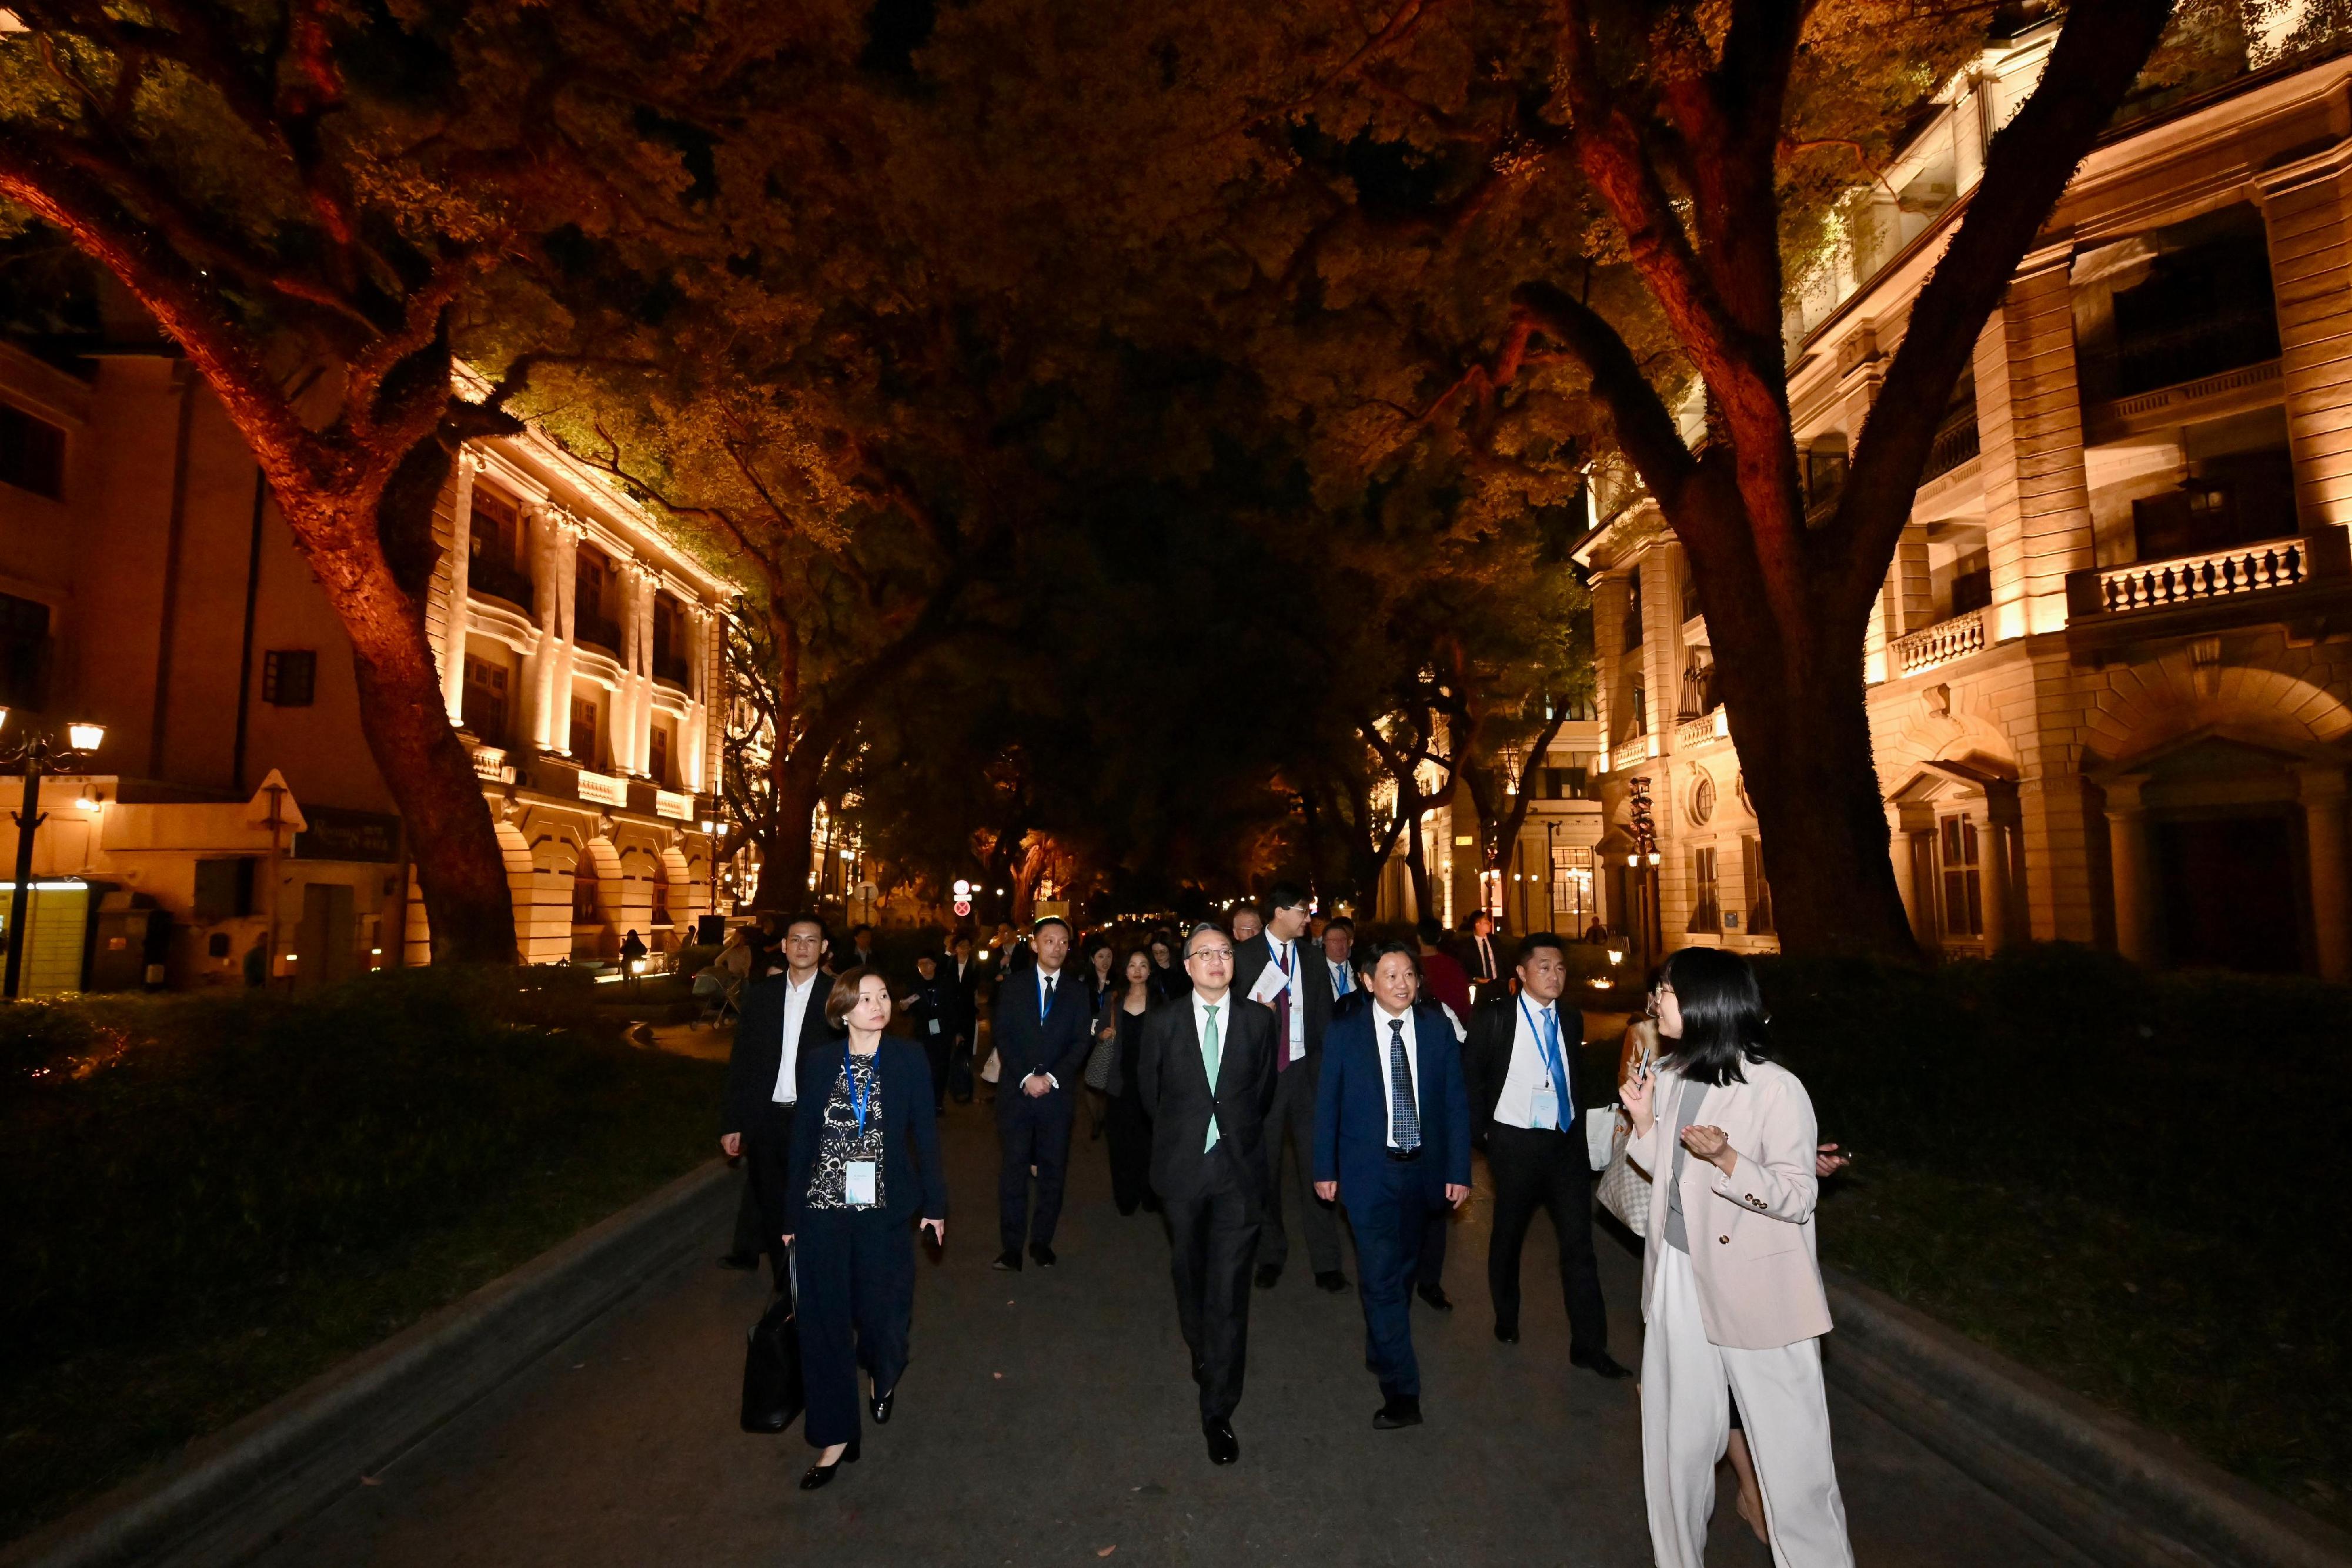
(1046,1006)
(1404,1116)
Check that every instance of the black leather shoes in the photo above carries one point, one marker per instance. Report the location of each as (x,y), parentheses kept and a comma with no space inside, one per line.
(1402,1410)
(1436,1297)
(882,1402)
(741,1262)
(1267,1274)
(1042,1253)
(1331,1280)
(822,1475)
(1598,1361)
(1008,1261)
(1223,1447)
(1507,1332)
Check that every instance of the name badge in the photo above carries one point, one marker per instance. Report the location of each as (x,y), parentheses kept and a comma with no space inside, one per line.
(1546,1107)
(935,1026)
(857,1184)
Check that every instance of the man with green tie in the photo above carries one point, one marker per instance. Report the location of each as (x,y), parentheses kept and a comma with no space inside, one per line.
(1205,1070)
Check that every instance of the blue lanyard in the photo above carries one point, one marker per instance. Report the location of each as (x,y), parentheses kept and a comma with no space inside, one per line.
(856,1093)
(1545,1047)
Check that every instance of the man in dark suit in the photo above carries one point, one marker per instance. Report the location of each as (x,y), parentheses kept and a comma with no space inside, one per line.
(783,1016)
(1205,1071)
(1302,1012)
(1391,1144)
(1526,1109)
(1042,1040)
(924,1010)
(960,1013)
(1479,957)
(861,951)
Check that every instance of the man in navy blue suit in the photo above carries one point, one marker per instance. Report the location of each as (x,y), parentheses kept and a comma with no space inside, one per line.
(1041,1037)
(1392,1146)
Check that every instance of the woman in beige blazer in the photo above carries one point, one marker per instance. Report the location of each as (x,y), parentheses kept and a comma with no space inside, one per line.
(1730,1288)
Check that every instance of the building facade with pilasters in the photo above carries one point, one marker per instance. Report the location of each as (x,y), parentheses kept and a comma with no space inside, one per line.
(148,583)
(2110,670)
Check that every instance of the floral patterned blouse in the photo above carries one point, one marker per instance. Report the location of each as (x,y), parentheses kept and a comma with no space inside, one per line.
(839,1143)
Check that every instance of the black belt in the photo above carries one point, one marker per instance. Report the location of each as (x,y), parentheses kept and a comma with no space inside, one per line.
(1404,1156)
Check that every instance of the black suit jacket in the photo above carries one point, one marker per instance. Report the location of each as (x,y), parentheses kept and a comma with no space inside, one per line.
(1250,961)
(1174,1086)
(1486,1056)
(759,1051)
(959,998)
(1057,1043)
(913,1182)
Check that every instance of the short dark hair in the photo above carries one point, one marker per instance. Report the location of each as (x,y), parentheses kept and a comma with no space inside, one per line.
(1285,894)
(1340,922)
(1246,907)
(1535,939)
(805,917)
(1038,927)
(858,931)
(1203,925)
(1723,1015)
(1097,944)
(1429,930)
(1385,949)
(960,939)
(844,995)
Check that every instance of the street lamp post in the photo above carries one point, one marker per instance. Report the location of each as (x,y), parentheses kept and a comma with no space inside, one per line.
(37,754)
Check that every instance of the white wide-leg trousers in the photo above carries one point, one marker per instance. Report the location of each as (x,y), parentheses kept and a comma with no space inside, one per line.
(1686,1420)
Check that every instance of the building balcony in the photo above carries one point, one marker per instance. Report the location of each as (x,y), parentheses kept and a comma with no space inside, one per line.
(1630,754)
(500,581)
(1955,443)
(1705,730)
(596,632)
(1941,643)
(2302,579)
(490,762)
(2225,392)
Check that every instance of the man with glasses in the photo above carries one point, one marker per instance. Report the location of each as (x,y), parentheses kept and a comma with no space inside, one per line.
(782,1015)
(1525,1107)
(1205,1070)
(1274,967)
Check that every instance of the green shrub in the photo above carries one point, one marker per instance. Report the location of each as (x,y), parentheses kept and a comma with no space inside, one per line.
(228,1136)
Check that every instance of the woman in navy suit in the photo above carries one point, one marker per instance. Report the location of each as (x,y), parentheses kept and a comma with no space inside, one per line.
(1392,1145)
(865,1160)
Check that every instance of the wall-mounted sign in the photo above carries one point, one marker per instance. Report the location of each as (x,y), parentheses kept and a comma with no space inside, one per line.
(604,789)
(331,833)
(671,804)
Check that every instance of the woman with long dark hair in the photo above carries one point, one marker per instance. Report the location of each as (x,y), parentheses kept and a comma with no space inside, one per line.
(1730,1287)
(1096,971)
(1121,1025)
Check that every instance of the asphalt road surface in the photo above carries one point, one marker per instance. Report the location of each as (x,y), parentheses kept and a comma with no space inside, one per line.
(1049,1418)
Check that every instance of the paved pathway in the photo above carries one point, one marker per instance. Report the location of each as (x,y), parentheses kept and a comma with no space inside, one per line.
(1048,1419)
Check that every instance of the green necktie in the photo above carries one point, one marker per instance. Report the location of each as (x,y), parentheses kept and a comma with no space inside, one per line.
(1209,1061)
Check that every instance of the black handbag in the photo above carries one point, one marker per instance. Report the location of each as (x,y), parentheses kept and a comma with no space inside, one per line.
(772,1394)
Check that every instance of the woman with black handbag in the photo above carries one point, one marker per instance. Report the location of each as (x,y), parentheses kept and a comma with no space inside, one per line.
(865,1162)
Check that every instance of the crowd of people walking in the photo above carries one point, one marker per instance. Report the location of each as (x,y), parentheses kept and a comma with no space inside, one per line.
(1206,1060)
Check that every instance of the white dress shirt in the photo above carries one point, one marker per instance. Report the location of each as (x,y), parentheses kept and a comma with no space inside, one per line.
(1343,975)
(788,1063)
(1284,955)
(1044,975)
(1516,1108)
(1381,1019)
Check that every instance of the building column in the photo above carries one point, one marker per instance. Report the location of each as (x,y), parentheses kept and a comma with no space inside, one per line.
(2004,821)
(566,563)
(2305,211)
(2323,793)
(641,721)
(1992,872)
(1908,823)
(699,623)
(2134,869)
(451,646)
(547,543)
(2030,425)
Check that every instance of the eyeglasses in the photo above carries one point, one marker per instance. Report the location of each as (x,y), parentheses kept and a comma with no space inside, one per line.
(1212,952)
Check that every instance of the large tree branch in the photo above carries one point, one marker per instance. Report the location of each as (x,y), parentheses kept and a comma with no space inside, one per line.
(2098,54)
(1645,429)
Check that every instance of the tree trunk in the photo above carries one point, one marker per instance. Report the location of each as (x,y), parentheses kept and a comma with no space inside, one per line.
(1417,863)
(1803,739)
(784,871)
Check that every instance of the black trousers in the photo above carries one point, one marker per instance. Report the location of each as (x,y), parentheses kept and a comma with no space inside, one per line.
(935,1046)
(1429,1268)
(1294,1115)
(1546,1170)
(1033,1130)
(1129,1131)
(768,1156)
(857,1306)
(959,1069)
(747,1221)
(1212,1244)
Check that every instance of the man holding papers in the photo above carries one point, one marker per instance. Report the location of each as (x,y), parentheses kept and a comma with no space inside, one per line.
(1274,968)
